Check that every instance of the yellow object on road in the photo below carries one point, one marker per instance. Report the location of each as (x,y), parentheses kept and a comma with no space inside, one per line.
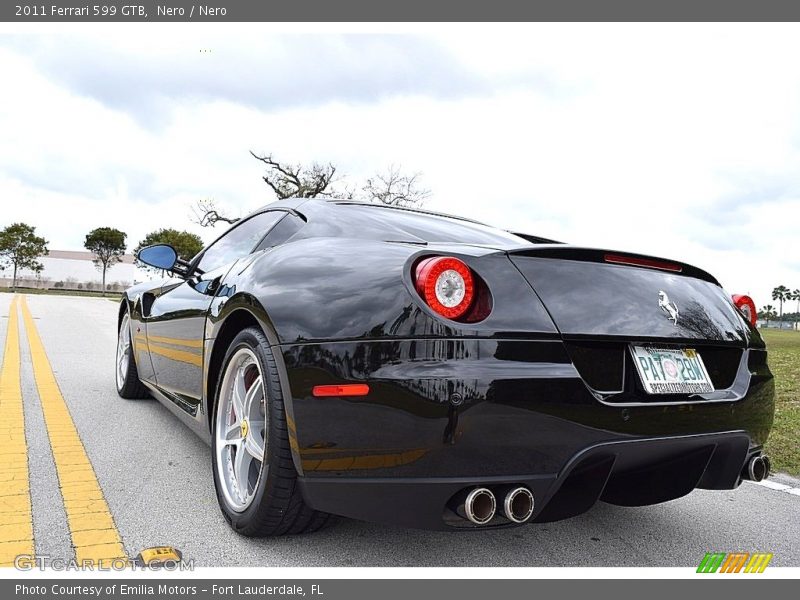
(158,555)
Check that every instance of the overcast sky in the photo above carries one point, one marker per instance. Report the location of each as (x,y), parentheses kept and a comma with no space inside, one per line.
(674,140)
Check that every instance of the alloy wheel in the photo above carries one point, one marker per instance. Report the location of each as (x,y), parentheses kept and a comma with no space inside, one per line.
(123,351)
(241,429)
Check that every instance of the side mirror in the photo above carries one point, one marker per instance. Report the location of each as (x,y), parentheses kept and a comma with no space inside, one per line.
(160,256)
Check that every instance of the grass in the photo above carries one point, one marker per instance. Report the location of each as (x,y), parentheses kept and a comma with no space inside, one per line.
(62,292)
(783,445)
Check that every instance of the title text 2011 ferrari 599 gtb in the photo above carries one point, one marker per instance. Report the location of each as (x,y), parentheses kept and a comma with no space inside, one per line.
(405,367)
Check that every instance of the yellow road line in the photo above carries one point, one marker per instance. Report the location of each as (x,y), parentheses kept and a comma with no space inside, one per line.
(179,355)
(176,341)
(16,517)
(153,345)
(94,535)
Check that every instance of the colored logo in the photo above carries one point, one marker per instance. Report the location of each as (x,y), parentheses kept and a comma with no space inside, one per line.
(670,368)
(734,562)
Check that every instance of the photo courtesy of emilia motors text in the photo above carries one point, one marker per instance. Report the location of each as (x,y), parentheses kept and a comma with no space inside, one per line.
(341,299)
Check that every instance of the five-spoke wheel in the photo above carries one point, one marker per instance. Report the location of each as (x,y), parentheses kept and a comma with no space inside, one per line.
(123,350)
(125,372)
(241,429)
(254,472)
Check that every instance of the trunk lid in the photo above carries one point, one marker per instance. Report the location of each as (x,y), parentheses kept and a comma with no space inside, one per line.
(600,294)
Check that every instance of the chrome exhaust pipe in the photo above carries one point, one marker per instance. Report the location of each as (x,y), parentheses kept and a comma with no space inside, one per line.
(518,504)
(757,468)
(480,506)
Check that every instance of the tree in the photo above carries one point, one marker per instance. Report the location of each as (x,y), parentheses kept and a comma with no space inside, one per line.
(21,248)
(186,244)
(395,189)
(767,313)
(297,181)
(795,295)
(206,214)
(317,180)
(781,294)
(108,245)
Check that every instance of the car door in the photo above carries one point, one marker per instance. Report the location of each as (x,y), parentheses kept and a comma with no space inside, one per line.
(177,316)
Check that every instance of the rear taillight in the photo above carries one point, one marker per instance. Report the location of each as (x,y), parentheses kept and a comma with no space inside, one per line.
(446,284)
(747,307)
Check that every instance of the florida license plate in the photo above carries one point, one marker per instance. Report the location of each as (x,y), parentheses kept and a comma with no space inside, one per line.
(671,370)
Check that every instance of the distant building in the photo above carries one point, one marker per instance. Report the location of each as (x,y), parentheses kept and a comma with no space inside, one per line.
(73,269)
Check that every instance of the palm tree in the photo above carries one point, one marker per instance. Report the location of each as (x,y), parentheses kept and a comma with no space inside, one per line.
(781,294)
(767,312)
(795,295)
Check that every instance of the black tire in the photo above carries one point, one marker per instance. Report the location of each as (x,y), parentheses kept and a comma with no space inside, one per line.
(131,388)
(277,507)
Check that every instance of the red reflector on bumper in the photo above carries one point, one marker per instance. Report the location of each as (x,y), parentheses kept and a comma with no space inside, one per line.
(636,261)
(350,389)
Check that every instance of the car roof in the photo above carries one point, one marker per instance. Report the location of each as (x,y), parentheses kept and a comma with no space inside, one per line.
(295,203)
(412,209)
(336,217)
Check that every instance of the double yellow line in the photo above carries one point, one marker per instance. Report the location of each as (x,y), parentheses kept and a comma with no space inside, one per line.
(94,535)
(16,515)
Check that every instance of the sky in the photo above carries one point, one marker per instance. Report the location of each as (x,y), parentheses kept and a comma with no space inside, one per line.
(680,141)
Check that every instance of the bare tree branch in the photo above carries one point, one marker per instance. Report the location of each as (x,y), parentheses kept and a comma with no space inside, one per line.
(395,189)
(391,188)
(297,181)
(206,214)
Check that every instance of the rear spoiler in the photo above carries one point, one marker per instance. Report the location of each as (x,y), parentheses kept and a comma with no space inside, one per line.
(629,259)
(533,239)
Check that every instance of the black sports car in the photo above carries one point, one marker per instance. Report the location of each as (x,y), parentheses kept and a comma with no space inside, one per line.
(407,367)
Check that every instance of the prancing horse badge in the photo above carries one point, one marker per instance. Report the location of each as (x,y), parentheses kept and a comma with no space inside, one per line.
(669,308)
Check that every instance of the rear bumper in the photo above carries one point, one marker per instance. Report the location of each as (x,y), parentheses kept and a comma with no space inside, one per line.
(629,473)
(445,414)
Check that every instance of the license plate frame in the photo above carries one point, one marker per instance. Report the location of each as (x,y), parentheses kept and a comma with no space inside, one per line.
(670,370)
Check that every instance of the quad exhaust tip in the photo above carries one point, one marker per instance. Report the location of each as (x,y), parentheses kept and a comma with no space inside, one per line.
(480,506)
(758,468)
(518,505)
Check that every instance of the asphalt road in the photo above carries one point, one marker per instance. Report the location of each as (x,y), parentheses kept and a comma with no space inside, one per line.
(155,476)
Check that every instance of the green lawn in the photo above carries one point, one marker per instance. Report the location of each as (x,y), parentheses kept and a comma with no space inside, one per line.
(784,360)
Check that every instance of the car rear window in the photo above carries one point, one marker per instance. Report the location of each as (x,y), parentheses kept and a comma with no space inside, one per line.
(432,228)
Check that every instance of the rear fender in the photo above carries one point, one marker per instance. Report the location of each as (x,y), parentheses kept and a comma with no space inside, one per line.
(326,289)
(227,317)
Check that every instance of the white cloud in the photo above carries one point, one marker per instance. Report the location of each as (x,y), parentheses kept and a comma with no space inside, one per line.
(673,140)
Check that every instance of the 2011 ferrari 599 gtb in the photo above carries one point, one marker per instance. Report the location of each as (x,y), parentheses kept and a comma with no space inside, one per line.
(406,367)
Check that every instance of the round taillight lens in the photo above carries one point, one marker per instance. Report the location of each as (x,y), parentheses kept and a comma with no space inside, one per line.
(446,284)
(747,307)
